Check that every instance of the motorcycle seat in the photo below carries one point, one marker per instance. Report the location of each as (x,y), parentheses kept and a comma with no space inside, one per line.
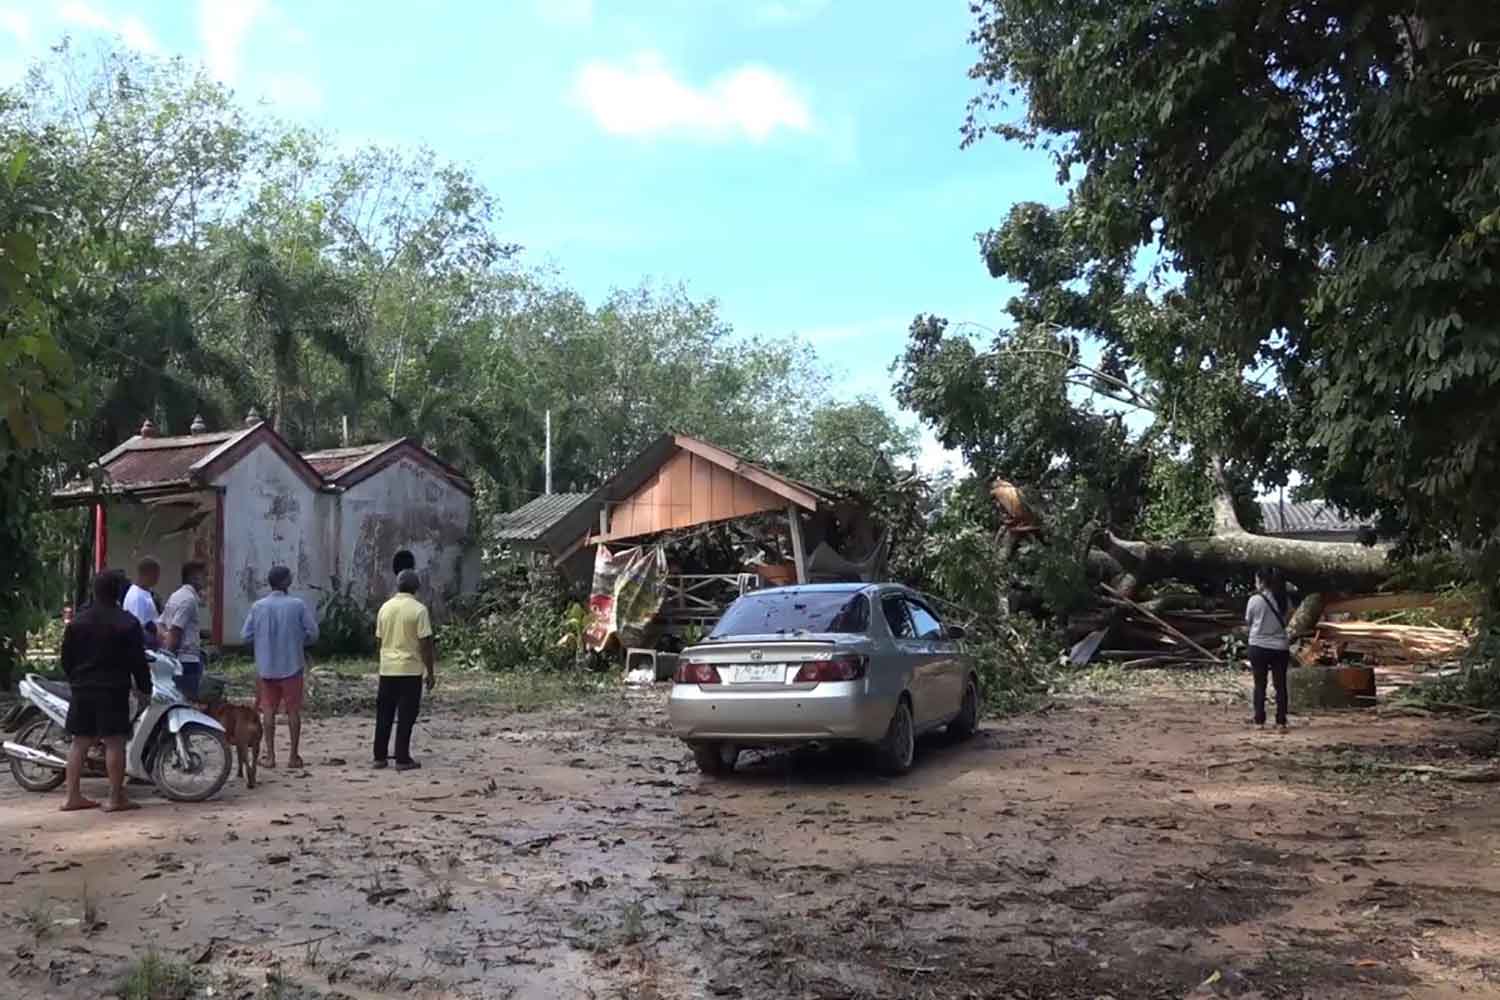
(59,688)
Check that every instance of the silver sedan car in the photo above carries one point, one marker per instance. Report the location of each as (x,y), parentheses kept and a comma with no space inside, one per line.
(859,663)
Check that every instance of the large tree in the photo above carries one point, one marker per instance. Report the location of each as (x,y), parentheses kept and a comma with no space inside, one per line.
(1315,184)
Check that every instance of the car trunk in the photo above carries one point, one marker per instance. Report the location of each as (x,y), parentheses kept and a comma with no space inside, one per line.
(767,659)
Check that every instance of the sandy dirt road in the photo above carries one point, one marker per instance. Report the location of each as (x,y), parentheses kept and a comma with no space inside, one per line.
(1137,847)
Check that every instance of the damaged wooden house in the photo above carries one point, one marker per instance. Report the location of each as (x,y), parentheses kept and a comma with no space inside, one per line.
(244,500)
(686,527)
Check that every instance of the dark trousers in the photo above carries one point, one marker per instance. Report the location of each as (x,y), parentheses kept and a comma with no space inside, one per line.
(1273,662)
(397,700)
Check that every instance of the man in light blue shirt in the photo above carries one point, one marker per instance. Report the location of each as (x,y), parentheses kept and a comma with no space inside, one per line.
(280,626)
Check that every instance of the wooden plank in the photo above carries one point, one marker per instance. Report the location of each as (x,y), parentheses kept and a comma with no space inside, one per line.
(681,489)
(799,555)
(702,487)
(761,477)
(722,500)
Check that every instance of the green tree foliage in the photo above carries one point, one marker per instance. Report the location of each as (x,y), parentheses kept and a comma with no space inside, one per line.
(1320,182)
(36,391)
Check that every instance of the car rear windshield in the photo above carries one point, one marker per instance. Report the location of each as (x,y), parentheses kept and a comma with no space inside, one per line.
(792,611)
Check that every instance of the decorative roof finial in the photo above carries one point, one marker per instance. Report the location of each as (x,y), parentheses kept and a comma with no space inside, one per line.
(148,429)
(199,425)
(253,417)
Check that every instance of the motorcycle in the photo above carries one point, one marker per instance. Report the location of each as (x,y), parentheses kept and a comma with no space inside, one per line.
(171,745)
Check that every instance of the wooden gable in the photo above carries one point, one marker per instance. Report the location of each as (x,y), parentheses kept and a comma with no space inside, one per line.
(688,489)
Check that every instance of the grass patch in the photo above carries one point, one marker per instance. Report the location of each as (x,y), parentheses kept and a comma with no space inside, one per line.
(37,920)
(153,977)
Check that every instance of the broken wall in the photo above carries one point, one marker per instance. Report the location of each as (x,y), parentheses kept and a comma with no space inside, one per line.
(407,505)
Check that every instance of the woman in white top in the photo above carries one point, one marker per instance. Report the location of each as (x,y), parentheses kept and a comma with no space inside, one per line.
(1270,647)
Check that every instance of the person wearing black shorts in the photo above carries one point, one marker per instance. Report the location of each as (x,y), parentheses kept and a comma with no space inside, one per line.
(103,651)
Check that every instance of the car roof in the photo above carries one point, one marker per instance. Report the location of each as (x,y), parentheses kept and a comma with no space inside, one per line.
(835,588)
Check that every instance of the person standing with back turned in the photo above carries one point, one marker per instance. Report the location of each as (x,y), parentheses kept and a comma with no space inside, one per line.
(404,630)
(1270,646)
(279,627)
(103,651)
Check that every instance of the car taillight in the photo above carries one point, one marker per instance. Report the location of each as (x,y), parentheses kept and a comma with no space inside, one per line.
(696,672)
(839,668)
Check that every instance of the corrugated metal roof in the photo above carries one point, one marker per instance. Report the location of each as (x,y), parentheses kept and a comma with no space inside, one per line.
(1304,517)
(330,462)
(530,521)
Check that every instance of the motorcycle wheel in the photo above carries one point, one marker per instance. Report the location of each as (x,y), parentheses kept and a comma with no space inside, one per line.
(202,775)
(35,777)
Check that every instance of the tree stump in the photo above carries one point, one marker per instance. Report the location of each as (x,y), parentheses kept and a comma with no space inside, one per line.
(1331,687)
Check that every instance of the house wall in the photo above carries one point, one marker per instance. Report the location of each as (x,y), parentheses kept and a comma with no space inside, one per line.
(271,516)
(163,531)
(407,505)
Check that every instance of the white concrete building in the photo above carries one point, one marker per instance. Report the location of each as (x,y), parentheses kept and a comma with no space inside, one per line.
(244,501)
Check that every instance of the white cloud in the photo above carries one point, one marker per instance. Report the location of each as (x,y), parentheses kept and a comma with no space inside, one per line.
(84,16)
(567,12)
(137,35)
(17,24)
(130,28)
(933,458)
(294,92)
(642,97)
(223,26)
(790,10)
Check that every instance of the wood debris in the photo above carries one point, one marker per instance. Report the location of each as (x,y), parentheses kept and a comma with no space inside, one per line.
(1373,644)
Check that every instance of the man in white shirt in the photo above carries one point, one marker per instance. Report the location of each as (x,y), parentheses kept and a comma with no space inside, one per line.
(182,636)
(139,600)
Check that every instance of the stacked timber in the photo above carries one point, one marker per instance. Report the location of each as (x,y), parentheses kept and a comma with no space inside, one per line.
(1376,644)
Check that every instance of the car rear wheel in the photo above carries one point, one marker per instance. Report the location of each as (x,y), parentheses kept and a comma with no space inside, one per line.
(715,759)
(967,720)
(898,748)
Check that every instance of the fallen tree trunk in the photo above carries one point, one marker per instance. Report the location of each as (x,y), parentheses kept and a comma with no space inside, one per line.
(1231,551)
(1311,565)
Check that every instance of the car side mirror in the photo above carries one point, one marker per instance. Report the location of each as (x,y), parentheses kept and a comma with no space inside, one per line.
(954,632)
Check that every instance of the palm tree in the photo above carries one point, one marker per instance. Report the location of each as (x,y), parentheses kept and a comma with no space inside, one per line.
(286,313)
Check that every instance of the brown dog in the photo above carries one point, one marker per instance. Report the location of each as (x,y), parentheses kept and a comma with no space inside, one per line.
(242,729)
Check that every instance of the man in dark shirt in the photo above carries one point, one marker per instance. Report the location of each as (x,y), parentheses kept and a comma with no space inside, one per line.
(102,652)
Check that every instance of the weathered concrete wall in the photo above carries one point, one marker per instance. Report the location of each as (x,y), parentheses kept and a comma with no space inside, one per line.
(407,506)
(271,516)
(165,531)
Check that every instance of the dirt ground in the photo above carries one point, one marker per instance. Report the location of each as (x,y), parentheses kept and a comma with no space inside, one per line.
(1140,845)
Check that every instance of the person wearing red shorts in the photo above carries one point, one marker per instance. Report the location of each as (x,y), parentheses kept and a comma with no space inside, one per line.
(280,627)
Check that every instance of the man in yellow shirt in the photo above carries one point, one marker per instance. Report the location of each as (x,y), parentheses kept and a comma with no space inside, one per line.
(404,631)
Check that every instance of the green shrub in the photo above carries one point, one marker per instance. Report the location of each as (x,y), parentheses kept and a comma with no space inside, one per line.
(156,978)
(1478,683)
(1017,664)
(517,622)
(345,627)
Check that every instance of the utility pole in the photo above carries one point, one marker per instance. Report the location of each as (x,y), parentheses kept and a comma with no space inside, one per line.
(548,456)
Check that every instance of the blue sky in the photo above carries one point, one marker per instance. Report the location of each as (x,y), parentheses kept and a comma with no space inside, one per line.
(796,159)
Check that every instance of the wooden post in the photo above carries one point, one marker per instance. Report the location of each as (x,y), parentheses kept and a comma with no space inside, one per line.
(216,627)
(101,538)
(794,520)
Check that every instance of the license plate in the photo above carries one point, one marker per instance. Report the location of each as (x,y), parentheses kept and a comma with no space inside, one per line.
(760,673)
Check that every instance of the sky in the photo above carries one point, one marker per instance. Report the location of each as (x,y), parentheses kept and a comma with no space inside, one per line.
(798,160)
